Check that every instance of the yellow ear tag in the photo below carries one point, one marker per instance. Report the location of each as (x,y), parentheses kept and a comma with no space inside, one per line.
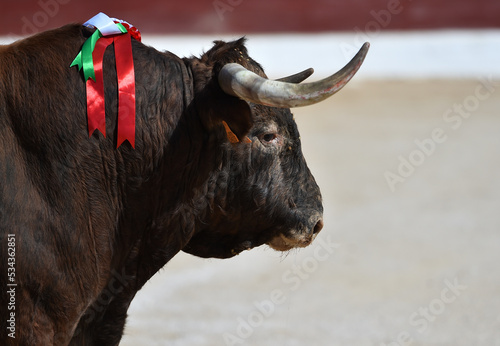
(232,138)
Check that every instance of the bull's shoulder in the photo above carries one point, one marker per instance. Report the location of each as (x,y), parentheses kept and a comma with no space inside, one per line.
(66,33)
(33,60)
(66,40)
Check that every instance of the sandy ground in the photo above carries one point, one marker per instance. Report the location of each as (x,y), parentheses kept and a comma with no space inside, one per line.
(409,255)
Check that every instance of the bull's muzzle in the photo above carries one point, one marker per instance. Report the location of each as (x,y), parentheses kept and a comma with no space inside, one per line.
(301,236)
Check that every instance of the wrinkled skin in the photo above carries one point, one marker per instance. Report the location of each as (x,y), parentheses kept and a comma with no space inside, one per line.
(264,191)
(93,223)
(273,197)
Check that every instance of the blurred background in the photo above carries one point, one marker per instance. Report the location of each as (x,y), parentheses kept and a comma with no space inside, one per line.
(407,157)
(229,16)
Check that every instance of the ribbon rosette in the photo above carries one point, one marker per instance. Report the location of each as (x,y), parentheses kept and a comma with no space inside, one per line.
(90,58)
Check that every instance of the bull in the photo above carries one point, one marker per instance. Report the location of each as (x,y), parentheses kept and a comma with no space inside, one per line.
(89,224)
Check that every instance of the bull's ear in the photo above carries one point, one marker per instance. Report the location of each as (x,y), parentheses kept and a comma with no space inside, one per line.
(215,106)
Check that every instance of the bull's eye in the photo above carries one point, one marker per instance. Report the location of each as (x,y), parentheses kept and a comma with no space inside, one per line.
(269,138)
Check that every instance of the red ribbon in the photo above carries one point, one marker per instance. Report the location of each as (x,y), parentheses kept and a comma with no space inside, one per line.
(126,89)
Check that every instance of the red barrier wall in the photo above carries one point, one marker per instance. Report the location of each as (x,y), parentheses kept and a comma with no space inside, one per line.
(21,17)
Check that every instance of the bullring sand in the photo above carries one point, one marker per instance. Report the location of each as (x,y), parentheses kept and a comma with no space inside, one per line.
(409,255)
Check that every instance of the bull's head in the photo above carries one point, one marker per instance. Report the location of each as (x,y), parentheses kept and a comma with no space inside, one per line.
(262,191)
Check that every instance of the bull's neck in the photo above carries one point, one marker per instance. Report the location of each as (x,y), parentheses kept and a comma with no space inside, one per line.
(167,196)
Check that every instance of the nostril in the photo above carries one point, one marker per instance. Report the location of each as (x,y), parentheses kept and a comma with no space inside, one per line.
(318,227)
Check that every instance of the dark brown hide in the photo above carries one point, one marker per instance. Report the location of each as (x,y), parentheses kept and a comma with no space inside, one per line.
(93,223)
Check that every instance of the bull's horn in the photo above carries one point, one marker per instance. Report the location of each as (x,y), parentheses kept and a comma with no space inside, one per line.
(298,77)
(236,80)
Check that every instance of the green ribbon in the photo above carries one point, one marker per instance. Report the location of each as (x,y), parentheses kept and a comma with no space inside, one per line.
(84,58)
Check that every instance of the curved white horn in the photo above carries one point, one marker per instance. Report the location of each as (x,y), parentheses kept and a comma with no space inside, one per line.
(236,80)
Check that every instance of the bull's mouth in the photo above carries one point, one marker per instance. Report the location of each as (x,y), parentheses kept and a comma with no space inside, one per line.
(283,243)
(296,239)
(205,245)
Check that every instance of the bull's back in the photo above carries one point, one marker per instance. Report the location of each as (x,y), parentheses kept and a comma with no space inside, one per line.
(40,112)
(44,97)
(48,166)
(45,170)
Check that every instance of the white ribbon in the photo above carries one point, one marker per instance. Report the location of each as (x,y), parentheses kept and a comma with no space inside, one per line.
(105,24)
